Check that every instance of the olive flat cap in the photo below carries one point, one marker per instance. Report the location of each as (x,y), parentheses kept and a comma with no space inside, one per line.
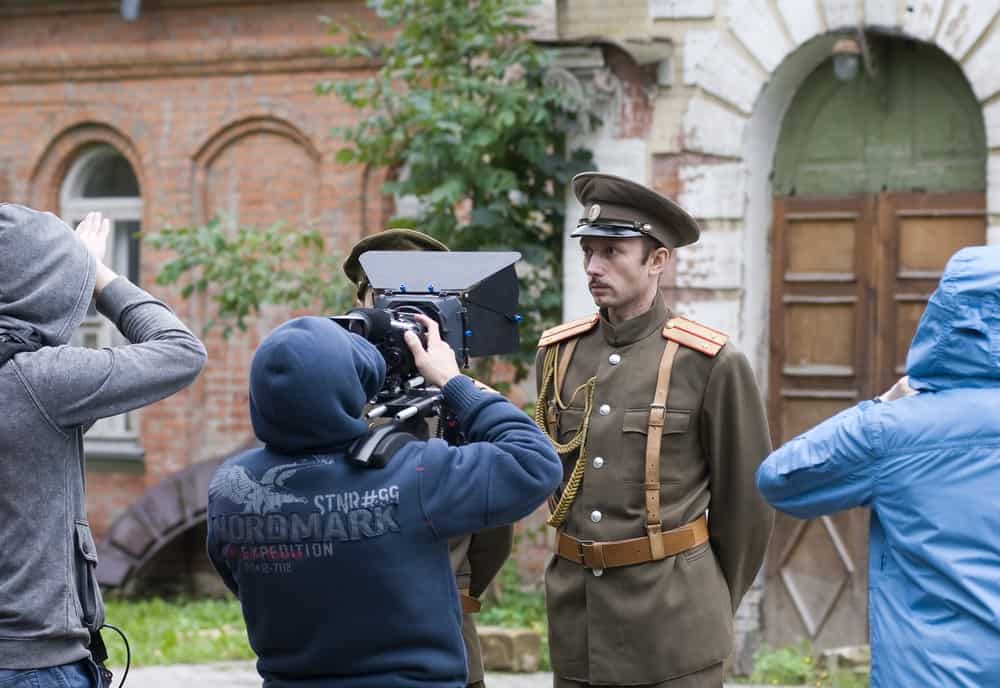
(619,208)
(388,240)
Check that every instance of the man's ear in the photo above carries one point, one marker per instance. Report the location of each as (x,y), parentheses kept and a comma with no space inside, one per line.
(658,260)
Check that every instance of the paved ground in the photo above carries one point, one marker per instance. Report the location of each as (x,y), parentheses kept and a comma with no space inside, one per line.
(242,675)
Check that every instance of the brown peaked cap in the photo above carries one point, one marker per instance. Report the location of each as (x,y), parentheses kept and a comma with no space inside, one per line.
(388,240)
(617,207)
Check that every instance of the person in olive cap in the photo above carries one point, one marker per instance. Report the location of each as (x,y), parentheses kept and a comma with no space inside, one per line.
(475,559)
(659,421)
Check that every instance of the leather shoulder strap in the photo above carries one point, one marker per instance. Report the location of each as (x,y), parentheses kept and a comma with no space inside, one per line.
(695,336)
(568,330)
(654,436)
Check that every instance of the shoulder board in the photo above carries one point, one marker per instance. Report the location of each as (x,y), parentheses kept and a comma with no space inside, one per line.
(695,336)
(568,330)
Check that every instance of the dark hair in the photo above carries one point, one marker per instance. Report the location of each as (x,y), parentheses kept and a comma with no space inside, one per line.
(649,244)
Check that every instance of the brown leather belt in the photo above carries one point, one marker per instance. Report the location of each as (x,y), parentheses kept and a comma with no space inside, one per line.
(606,555)
(470,605)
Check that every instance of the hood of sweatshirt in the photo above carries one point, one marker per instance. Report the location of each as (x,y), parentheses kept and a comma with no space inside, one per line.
(46,275)
(957,342)
(309,382)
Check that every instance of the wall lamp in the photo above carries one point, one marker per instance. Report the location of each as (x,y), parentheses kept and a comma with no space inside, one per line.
(848,54)
(130,9)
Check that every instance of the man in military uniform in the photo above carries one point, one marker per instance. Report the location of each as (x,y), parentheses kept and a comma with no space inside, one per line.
(661,428)
(475,559)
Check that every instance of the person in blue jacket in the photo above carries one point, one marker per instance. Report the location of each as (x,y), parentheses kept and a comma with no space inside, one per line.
(342,571)
(925,456)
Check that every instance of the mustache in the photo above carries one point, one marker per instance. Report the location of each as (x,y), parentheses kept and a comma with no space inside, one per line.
(596,283)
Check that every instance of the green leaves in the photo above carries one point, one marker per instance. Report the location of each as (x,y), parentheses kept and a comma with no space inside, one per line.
(457,107)
(241,269)
(459,104)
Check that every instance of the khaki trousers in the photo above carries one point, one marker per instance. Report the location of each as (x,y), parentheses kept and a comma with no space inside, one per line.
(711,677)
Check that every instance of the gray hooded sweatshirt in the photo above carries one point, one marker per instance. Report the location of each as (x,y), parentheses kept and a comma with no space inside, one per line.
(49,397)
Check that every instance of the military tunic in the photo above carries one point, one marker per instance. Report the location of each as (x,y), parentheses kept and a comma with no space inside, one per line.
(650,622)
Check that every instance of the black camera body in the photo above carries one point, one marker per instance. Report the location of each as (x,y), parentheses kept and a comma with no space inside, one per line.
(392,317)
(471,295)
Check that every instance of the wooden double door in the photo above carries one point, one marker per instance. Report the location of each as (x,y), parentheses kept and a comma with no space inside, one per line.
(851,277)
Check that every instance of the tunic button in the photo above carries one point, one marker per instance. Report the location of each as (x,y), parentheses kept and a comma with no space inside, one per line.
(604,410)
(596,516)
(614,359)
(598,462)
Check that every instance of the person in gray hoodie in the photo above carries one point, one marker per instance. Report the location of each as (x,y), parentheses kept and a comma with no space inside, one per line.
(51,393)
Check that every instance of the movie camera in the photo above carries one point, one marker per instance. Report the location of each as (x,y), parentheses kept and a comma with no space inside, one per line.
(472,295)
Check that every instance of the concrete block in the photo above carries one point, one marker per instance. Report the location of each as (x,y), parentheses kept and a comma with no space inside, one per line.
(964,23)
(801,18)
(681,9)
(981,68)
(757,28)
(993,184)
(697,44)
(993,235)
(883,13)
(725,73)
(510,649)
(848,657)
(720,314)
(667,118)
(711,128)
(715,262)
(991,116)
(543,20)
(922,18)
(840,14)
(713,191)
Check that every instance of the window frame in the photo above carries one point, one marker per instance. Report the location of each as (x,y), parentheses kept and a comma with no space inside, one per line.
(115,438)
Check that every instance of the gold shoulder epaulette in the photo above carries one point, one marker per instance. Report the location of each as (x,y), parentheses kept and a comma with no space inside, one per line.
(568,330)
(695,336)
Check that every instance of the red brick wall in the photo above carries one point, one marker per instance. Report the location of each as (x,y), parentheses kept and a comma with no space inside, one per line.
(213,104)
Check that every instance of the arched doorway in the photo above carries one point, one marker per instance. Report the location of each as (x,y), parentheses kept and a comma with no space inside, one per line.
(877,181)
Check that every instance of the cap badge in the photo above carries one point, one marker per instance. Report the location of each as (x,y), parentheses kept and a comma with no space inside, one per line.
(593,212)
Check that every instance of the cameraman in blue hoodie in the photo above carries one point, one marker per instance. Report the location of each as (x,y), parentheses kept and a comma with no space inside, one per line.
(343,571)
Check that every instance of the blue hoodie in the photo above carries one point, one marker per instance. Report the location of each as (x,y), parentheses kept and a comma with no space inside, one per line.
(343,572)
(929,468)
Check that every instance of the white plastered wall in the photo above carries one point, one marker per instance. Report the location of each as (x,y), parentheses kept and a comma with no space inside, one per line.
(745,69)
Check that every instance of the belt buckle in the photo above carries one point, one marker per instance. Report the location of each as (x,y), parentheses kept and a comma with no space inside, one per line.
(581,546)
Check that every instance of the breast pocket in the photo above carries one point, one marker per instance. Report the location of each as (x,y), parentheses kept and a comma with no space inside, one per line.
(631,465)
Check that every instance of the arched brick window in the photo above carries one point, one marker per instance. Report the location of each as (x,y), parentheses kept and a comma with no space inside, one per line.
(102,179)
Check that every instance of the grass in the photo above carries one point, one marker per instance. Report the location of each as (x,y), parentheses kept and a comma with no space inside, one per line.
(186,631)
(176,632)
(795,666)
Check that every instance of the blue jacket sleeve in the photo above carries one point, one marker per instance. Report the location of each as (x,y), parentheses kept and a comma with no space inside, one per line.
(505,472)
(829,468)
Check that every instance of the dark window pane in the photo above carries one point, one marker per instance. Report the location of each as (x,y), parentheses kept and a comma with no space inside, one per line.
(128,230)
(110,176)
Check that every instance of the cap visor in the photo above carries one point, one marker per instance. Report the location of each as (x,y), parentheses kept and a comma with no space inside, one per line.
(605,231)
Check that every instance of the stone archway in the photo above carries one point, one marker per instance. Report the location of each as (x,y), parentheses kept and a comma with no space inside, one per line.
(164,513)
(737,116)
